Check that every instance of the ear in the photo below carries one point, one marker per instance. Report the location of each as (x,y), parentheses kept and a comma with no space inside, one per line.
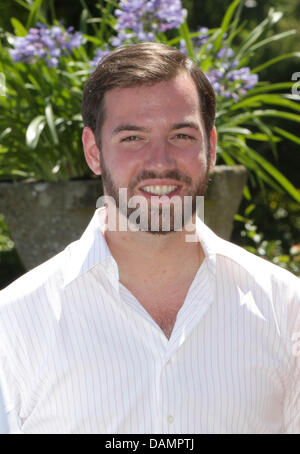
(212,148)
(91,151)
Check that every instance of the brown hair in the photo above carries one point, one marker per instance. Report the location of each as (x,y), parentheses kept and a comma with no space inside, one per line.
(142,64)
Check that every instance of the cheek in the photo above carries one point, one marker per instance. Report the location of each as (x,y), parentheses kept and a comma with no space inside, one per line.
(125,164)
(193,163)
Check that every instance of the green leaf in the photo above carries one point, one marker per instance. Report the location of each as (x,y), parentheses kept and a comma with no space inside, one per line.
(19,28)
(287,135)
(233,130)
(185,33)
(94,40)
(24,4)
(246,116)
(51,123)
(249,209)
(271,39)
(227,159)
(5,133)
(273,17)
(263,137)
(268,132)
(239,218)
(251,249)
(225,23)
(34,131)
(242,153)
(269,87)
(285,183)
(276,113)
(34,13)
(83,20)
(246,193)
(266,99)
(84,17)
(274,60)
(252,37)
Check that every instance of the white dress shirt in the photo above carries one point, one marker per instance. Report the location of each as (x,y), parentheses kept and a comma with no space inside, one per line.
(79,353)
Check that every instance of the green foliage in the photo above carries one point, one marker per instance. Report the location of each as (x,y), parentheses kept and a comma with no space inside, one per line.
(41,121)
(278,217)
(240,124)
(271,250)
(10,265)
(6,243)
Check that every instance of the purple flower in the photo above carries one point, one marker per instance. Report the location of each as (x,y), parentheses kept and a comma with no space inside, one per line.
(203,35)
(52,62)
(100,53)
(232,84)
(75,41)
(251,81)
(228,80)
(182,46)
(147,18)
(46,43)
(225,52)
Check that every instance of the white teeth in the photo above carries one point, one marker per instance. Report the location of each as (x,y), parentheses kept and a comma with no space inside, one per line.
(159,190)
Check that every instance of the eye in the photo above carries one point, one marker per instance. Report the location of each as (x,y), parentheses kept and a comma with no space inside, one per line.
(130,139)
(182,136)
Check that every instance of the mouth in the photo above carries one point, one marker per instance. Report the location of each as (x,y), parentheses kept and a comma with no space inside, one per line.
(160,190)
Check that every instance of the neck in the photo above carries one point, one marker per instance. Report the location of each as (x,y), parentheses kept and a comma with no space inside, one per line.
(146,254)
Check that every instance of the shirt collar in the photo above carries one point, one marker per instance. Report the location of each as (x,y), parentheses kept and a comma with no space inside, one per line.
(92,249)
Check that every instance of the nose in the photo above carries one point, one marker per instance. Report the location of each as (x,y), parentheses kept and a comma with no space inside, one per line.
(159,156)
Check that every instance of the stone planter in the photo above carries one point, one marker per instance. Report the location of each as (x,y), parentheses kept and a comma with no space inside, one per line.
(223,197)
(43,218)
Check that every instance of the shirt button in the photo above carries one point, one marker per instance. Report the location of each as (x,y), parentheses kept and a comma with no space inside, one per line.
(170,419)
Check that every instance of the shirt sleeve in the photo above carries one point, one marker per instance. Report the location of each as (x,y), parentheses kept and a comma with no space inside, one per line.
(9,398)
(292,399)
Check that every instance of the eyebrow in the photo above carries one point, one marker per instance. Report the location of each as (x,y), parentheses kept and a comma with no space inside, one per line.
(128,127)
(121,128)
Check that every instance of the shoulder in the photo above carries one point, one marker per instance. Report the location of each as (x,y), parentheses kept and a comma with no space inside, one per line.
(242,267)
(31,303)
(273,290)
(265,273)
(34,282)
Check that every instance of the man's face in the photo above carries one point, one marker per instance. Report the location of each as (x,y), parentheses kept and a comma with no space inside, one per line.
(153,143)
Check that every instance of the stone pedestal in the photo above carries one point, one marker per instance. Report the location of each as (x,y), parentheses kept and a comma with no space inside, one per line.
(223,197)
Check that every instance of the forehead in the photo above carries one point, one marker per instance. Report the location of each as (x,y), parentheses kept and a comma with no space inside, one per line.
(172,101)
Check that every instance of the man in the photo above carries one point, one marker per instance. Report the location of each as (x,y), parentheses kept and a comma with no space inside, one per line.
(137,327)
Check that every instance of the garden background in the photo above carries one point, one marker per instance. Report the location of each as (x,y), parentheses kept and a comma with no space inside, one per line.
(268,221)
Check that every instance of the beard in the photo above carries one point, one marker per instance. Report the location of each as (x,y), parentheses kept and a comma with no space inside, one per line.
(157,219)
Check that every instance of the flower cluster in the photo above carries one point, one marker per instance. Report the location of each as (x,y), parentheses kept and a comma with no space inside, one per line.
(227,79)
(47,43)
(147,18)
(100,53)
(198,42)
(141,20)
(232,83)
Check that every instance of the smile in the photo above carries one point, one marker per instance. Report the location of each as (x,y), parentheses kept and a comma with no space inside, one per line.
(159,190)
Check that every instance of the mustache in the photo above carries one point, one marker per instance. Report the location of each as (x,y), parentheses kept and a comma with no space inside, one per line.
(172,174)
